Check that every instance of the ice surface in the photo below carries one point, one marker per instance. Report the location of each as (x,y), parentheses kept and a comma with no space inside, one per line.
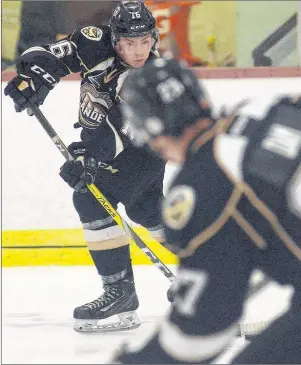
(37,306)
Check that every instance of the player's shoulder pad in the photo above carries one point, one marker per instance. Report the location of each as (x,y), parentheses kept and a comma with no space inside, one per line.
(92,33)
(178,206)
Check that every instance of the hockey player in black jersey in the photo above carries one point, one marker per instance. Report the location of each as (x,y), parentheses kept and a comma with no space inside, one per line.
(233,207)
(105,154)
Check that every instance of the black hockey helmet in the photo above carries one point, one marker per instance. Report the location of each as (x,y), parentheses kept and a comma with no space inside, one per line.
(162,98)
(133,19)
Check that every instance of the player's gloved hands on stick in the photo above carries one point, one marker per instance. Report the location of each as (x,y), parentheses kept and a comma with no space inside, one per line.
(31,88)
(82,170)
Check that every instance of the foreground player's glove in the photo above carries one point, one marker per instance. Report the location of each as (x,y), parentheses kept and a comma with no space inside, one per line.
(81,171)
(30,88)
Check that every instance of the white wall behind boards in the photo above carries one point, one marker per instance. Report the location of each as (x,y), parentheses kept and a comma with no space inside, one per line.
(33,194)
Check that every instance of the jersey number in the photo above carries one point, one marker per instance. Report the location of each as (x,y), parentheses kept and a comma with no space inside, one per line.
(170,90)
(61,49)
(189,286)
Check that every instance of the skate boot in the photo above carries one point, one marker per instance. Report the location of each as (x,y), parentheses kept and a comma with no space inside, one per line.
(119,299)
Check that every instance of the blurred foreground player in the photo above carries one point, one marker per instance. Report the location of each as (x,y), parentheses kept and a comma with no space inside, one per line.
(232,208)
(105,154)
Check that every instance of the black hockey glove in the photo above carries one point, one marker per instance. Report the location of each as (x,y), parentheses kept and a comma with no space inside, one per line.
(81,171)
(31,88)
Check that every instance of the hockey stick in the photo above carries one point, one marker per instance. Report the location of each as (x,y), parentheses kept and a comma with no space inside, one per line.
(100,197)
(113,213)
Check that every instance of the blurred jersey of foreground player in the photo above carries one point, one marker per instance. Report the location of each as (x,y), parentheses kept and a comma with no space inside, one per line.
(232,208)
(105,154)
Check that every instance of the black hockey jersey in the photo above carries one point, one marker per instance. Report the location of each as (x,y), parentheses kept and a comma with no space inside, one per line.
(228,212)
(89,51)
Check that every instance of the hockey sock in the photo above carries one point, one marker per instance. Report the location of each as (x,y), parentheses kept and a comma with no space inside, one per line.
(113,265)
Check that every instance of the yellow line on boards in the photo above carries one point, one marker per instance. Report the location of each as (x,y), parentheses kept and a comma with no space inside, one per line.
(64,247)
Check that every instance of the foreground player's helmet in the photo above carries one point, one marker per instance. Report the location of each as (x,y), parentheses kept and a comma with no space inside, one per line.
(133,19)
(162,98)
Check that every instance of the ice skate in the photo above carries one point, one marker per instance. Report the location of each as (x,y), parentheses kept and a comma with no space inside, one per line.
(118,299)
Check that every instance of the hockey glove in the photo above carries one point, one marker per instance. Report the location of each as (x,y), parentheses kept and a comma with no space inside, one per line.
(81,171)
(31,88)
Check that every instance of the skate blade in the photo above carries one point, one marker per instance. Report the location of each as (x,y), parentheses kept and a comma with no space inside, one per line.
(127,321)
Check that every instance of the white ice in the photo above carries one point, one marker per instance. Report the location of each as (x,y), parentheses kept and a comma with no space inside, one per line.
(37,306)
